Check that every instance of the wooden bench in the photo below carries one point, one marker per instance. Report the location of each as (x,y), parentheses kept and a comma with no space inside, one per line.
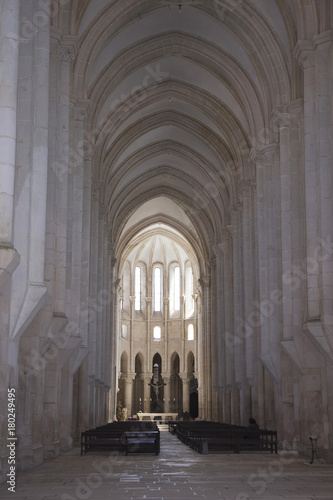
(109,436)
(141,442)
(95,439)
(214,437)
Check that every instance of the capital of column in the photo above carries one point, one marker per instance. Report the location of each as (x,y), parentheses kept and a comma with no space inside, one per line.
(103,212)
(127,377)
(146,377)
(281,116)
(323,40)
(304,53)
(218,250)
(110,247)
(68,47)
(212,264)
(166,301)
(185,378)
(257,156)
(97,188)
(244,188)
(225,235)
(81,109)
(148,300)
(271,148)
(235,209)
(204,282)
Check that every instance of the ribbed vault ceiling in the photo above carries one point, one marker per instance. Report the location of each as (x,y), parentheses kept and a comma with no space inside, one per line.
(177,99)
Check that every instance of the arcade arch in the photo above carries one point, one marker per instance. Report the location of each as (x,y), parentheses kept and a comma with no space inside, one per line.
(176,284)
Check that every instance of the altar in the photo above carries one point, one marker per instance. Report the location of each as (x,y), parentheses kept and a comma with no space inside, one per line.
(163,417)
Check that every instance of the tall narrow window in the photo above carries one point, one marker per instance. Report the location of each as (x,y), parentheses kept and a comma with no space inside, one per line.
(190,332)
(124,331)
(189,302)
(177,288)
(157,289)
(157,332)
(137,285)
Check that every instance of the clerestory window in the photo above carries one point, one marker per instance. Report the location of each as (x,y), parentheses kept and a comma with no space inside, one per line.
(157,283)
(157,333)
(137,288)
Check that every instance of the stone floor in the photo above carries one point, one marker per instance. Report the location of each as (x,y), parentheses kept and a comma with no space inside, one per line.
(177,473)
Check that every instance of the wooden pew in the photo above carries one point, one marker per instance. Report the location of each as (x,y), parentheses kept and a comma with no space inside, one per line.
(140,442)
(109,436)
(214,437)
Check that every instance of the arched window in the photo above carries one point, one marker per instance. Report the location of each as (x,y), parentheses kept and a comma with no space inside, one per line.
(177,288)
(124,331)
(174,289)
(137,289)
(157,283)
(189,302)
(157,333)
(190,332)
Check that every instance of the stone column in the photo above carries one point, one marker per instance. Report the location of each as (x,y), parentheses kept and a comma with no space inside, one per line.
(220,313)
(40,156)
(77,197)
(305,54)
(250,317)
(186,392)
(183,334)
(205,383)
(240,330)
(200,349)
(146,392)
(128,378)
(214,340)
(166,335)
(166,394)
(227,337)
(324,52)
(8,116)
(148,332)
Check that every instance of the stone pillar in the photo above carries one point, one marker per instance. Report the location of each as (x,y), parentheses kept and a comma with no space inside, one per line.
(8,115)
(63,272)
(250,316)
(200,353)
(205,382)
(305,54)
(40,156)
(324,53)
(227,337)
(146,392)
(183,334)
(166,335)
(77,199)
(214,340)
(128,378)
(186,392)
(166,394)
(148,333)
(239,329)
(83,398)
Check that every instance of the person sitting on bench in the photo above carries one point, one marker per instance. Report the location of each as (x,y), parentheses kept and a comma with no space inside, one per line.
(253,426)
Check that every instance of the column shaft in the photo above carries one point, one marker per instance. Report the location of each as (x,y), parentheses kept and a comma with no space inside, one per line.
(9,46)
